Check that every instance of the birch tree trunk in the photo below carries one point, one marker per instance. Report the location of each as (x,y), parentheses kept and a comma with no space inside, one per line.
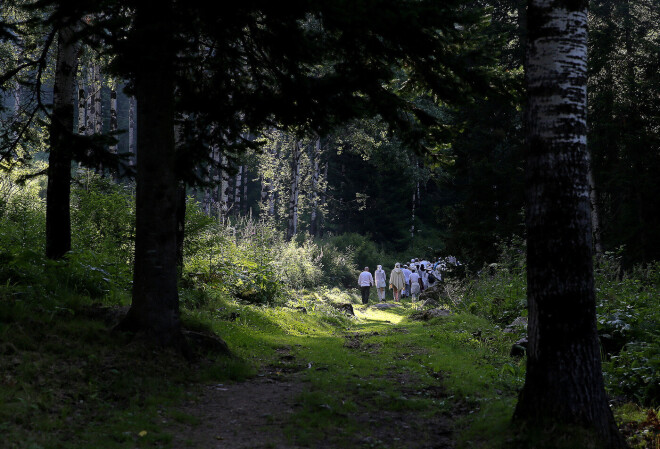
(114,122)
(58,213)
(244,203)
(131,131)
(224,187)
(90,104)
(98,110)
(272,180)
(316,174)
(595,216)
(238,190)
(292,223)
(564,382)
(155,307)
(81,105)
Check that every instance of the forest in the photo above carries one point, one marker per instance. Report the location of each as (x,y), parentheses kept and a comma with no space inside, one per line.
(191,194)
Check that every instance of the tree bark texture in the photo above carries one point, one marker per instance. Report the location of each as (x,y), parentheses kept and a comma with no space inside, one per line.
(224,187)
(58,213)
(316,174)
(595,215)
(564,381)
(244,195)
(114,122)
(98,105)
(90,105)
(81,105)
(131,131)
(294,193)
(238,189)
(155,306)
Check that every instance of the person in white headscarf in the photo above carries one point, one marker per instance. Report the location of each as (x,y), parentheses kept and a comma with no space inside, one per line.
(397,281)
(381,282)
(414,284)
(406,275)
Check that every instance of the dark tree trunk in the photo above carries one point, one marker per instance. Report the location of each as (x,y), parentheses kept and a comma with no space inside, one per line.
(131,131)
(155,307)
(58,214)
(564,382)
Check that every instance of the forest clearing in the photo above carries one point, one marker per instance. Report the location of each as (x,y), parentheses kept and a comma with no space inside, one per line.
(192,196)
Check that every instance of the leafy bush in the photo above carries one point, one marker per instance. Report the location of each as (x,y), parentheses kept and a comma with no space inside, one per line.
(629,327)
(498,291)
(338,266)
(103,217)
(345,255)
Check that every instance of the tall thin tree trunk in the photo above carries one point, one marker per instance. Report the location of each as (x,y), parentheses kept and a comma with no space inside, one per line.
(316,173)
(98,109)
(292,224)
(244,203)
(90,104)
(272,182)
(81,105)
(224,187)
(131,131)
(595,216)
(155,306)
(238,190)
(564,382)
(58,214)
(17,100)
(324,196)
(412,214)
(114,122)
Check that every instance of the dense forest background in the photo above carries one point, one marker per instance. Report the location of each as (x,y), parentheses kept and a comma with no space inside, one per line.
(360,178)
(199,166)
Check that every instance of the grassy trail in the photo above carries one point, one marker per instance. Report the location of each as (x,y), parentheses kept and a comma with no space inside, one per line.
(380,381)
(313,379)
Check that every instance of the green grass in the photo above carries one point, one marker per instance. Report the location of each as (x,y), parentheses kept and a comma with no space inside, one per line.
(67,382)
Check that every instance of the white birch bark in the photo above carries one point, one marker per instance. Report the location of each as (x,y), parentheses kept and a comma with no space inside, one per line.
(90,105)
(292,224)
(563,381)
(81,105)
(316,173)
(114,123)
(131,130)
(595,216)
(244,204)
(98,111)
(224,187)
(238,186)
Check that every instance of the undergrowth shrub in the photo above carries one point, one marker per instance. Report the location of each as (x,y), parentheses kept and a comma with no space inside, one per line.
(629,327)
(627,315)
(498,292)
(345,255)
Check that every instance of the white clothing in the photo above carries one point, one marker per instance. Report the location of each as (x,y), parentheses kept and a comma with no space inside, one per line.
(414,284)
(381,280)
(425,279)
(406,275)
(365,279)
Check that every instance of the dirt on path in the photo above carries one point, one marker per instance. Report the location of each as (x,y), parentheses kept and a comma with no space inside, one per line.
(246,415)
(254,413)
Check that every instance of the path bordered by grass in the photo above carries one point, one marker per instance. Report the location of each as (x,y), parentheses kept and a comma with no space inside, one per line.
(381,380)
(375,381)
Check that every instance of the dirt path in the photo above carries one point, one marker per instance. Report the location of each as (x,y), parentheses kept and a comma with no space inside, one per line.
(252,414)
(243,415)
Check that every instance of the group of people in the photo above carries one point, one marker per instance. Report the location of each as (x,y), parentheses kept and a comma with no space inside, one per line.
(408,280)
